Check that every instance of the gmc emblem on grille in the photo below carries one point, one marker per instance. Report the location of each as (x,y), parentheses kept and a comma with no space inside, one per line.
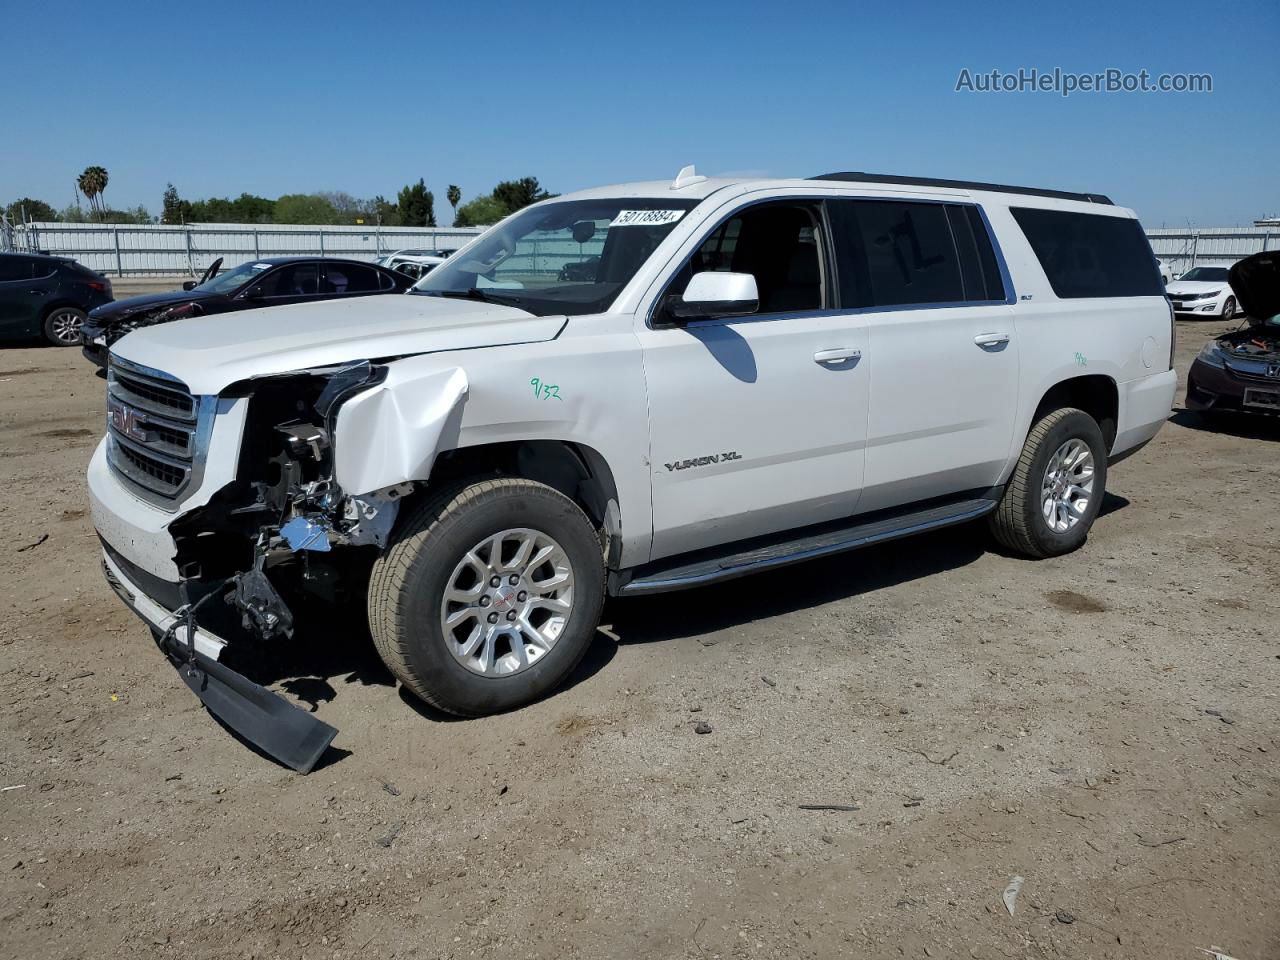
(124,420)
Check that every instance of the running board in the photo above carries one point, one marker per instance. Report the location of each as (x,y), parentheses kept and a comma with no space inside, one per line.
(660,578)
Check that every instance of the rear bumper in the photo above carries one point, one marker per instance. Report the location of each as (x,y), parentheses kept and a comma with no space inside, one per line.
(1145,405)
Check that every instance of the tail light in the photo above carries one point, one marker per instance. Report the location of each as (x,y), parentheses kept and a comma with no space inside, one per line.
(1173,331)
(102,286)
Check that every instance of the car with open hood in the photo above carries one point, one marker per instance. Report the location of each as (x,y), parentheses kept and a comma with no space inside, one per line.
(1239,372)
(623,391)
(1204,292)
(268,282)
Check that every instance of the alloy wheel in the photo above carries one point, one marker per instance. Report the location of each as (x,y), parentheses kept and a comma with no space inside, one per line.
(1067,489)
(507,602)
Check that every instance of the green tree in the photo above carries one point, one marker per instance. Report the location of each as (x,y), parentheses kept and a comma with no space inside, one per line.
(73,213)
(518,194)
(93,184)
(176,210)
(454,196)
(480,212)
(304,208)
(416,205)
(384,212)
(36,210)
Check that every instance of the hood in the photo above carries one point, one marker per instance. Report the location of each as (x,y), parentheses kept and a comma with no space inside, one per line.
(210,353)
(1196,286)
(120,309)
(1255,281)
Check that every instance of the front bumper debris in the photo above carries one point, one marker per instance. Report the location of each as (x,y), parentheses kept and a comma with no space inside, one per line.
(283,731)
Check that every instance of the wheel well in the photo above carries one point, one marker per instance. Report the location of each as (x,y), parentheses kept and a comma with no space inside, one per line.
(58,305)
(576,470)
(1095,394)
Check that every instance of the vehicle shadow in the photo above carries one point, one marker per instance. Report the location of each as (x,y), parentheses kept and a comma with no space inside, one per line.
(671,616)
(1242,425)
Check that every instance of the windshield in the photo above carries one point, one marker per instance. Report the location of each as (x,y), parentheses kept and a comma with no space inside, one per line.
(569,257)
(1205,273)
(233,279)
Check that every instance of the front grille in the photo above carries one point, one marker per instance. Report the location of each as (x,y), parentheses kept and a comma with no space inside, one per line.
(157,432)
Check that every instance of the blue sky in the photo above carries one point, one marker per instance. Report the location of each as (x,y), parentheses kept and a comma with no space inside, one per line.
(280,97)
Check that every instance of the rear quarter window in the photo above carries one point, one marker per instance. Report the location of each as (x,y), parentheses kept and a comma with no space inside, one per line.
(1091,255)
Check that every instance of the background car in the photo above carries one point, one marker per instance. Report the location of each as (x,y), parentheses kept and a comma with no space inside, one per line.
(390,259)
(414,266)
(1204,292)
(43,296)
(1239,371)
(258,283)
(1166,272)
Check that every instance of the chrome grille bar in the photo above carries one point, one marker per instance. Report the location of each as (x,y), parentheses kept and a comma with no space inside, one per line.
(157,432)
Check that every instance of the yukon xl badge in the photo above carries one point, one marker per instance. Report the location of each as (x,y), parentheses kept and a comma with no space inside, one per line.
(703,461)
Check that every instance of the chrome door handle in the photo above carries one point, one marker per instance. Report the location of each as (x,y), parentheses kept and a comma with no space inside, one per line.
(836,355)
(991,339)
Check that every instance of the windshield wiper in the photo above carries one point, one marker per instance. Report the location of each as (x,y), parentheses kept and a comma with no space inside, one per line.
(475,293)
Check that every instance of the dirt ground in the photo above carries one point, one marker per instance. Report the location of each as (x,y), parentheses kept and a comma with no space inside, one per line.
(1105,725)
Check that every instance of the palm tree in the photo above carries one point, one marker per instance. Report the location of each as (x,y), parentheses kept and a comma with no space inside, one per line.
(92,183)
(454,196)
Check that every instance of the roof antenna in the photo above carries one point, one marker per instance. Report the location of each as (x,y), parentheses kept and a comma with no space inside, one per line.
(687,177)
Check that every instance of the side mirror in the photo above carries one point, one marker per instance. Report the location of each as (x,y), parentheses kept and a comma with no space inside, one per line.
(715,294)
(254,292)
(188,284)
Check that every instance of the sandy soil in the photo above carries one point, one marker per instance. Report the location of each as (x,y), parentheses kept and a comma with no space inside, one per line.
(1104,725)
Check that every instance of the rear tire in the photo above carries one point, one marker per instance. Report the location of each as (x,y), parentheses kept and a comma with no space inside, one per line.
(62,326)
(470,557)
(1056,489)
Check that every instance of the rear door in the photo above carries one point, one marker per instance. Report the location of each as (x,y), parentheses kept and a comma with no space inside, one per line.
(944,358)
(341,280)
(757,423)
(22,297)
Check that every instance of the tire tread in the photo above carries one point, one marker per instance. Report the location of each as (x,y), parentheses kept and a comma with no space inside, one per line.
(391,571)
(1008,522)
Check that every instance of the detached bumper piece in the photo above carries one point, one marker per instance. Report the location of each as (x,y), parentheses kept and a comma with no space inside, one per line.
(271,723)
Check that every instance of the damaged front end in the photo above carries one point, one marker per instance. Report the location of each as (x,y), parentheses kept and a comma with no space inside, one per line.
(283,530)
(284,509)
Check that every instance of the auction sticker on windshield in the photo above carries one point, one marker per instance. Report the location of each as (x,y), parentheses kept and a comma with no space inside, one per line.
(646,218)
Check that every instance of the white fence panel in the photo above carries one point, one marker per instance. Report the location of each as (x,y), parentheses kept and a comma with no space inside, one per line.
(140,249)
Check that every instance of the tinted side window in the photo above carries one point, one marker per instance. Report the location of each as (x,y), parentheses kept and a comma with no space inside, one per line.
(348,278)
(910,255)
(294,280)
(14,268)
(778,244)
(1091,255)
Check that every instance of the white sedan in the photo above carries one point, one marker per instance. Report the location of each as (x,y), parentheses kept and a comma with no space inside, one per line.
(1203,292)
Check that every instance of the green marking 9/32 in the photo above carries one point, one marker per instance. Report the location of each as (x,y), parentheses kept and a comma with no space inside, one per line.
(545,391)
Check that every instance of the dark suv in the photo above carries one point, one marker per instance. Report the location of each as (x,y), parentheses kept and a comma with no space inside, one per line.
(271,282)
(43,296)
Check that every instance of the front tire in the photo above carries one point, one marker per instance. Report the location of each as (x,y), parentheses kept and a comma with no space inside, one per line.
(62,326)
(1229,308)
(488,596)
(1056,489)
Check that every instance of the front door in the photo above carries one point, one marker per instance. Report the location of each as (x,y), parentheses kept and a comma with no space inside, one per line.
(757,423)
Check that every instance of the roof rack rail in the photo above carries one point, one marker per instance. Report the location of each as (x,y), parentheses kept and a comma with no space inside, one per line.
(964,185)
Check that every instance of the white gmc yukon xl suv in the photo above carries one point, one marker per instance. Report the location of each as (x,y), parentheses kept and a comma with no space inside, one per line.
(625,390)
